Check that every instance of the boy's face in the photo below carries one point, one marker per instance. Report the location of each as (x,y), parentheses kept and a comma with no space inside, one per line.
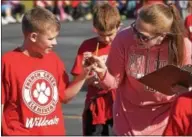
(106,37)
(44,42)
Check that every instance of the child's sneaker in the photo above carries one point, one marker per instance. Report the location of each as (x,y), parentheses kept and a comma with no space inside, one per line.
(4,21)
(10,19)
(69,18)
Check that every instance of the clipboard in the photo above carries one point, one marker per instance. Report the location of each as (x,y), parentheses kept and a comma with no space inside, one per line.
(166,77)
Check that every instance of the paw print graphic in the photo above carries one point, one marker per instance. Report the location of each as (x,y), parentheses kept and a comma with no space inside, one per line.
(42,93)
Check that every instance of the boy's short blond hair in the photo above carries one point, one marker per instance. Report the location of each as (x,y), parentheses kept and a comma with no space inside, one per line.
(40,20)
(106,17)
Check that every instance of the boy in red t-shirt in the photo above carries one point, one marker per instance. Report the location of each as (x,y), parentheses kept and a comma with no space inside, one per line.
(180,121)
(97,116)
(188,25)
(34,80)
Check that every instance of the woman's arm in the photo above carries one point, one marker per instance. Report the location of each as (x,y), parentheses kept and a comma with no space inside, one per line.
(112,73)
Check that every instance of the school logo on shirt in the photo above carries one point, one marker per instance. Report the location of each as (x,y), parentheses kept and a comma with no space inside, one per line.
(138,66)
(40,92)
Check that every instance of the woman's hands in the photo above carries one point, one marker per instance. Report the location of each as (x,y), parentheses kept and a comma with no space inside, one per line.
(95,63)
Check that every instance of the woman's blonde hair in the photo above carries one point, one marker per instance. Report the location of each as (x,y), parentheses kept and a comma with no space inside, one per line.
(167,19)
(189,7)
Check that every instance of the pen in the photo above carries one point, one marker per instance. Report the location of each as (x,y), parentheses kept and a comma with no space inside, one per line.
(97,49)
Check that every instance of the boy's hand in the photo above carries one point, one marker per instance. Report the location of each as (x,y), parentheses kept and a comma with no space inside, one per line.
(87,67)
(87,59)
(87,71)
(181,89)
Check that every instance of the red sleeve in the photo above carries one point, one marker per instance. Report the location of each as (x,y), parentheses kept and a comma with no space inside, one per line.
(77,67)
(178,123)
(115,64)
(74,4)
(3,91)
(4,83)
(63,80)
(87,46)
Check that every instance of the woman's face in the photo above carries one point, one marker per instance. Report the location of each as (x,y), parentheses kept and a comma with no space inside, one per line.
(144,35)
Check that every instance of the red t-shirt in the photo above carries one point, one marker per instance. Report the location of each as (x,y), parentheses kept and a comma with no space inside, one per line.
(74,4)
(32,91)
(180,121)
(188,25)
(103,104)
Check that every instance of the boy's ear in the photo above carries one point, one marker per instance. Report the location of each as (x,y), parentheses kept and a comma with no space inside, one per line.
(33,36)
(119,27)
(95,30)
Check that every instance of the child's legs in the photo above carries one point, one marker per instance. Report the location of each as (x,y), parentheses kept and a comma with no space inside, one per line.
(90,129)
(103,129)
(88,124)
(107,128)
(98,129)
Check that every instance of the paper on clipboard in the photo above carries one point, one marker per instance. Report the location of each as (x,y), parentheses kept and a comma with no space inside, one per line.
(164,78)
